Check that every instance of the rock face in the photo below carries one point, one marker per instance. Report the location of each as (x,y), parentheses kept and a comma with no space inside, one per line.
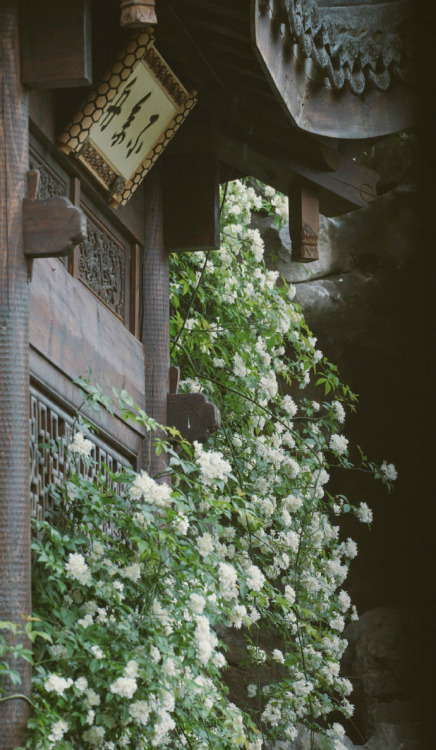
(362,276)
(370,300)
(386,658)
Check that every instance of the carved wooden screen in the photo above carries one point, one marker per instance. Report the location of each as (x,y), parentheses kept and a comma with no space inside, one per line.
(107,261)
(50,421)
(84,312)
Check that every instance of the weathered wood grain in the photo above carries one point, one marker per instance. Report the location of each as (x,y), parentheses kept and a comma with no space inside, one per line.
(51,227)
(56,44)
(137,13)
(72,331)
(155,316)
(318,108)
(193,415)
(15,595)
(304,223)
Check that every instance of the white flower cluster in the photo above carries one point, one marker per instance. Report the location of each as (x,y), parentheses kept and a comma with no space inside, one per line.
(389,471)
(339,411)
(126,686)
(364,513)
(77,568)
(205,640)
(255,578)
(212,465)
(81,445)
(151,491)
(338,444)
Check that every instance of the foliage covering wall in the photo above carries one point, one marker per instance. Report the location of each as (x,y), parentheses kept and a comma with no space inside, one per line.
(133,587)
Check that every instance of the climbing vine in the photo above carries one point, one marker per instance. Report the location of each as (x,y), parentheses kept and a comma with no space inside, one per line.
(138,585)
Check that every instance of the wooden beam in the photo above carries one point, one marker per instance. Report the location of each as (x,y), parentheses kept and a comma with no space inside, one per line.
(219,8)
(304,223)
(191,202)
(350,186)
(56,44)
(15,560)
(222,31)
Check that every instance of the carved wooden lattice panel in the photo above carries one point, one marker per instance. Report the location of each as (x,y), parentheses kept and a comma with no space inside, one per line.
(50,422)
(102,266)
(50,183)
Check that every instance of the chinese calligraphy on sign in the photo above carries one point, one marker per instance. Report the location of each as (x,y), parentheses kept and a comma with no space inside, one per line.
(133,122)
(128,119)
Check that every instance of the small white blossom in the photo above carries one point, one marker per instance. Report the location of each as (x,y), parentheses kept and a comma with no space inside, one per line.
(81,445)
(57,732)
(339,411)
(277,655)
(153,493)
(289,594)
(251,690)
(77,568)
(98,653)
(255,579)
(389,471)
(124,686)
(338,444)
(56,684)
(364,513)
(197,603)
(211,464)
(205,544)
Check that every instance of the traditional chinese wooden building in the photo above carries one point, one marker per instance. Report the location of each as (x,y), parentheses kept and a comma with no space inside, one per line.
(119,120)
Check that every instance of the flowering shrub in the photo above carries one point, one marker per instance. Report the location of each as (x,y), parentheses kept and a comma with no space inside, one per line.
(136,585)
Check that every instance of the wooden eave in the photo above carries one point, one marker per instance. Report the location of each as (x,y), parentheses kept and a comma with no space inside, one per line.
(209,43)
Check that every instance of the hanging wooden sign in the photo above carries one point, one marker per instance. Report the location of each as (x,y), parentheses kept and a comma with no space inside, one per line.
(128,119)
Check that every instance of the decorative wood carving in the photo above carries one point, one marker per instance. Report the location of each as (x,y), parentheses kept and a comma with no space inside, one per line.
(50,183)
(137,13)
(56,44)
(304,224)
(191,202)
(332,79)
(49,422)
(102,267)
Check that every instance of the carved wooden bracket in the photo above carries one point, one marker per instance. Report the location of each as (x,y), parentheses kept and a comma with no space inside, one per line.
(51,227)
(191,413)
(137,13)
(304,224)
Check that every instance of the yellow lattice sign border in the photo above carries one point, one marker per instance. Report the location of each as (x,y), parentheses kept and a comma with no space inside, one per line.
(77,137)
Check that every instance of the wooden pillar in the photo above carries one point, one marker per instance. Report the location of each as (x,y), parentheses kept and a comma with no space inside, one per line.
(304,223)
(156,315)
(15,598)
